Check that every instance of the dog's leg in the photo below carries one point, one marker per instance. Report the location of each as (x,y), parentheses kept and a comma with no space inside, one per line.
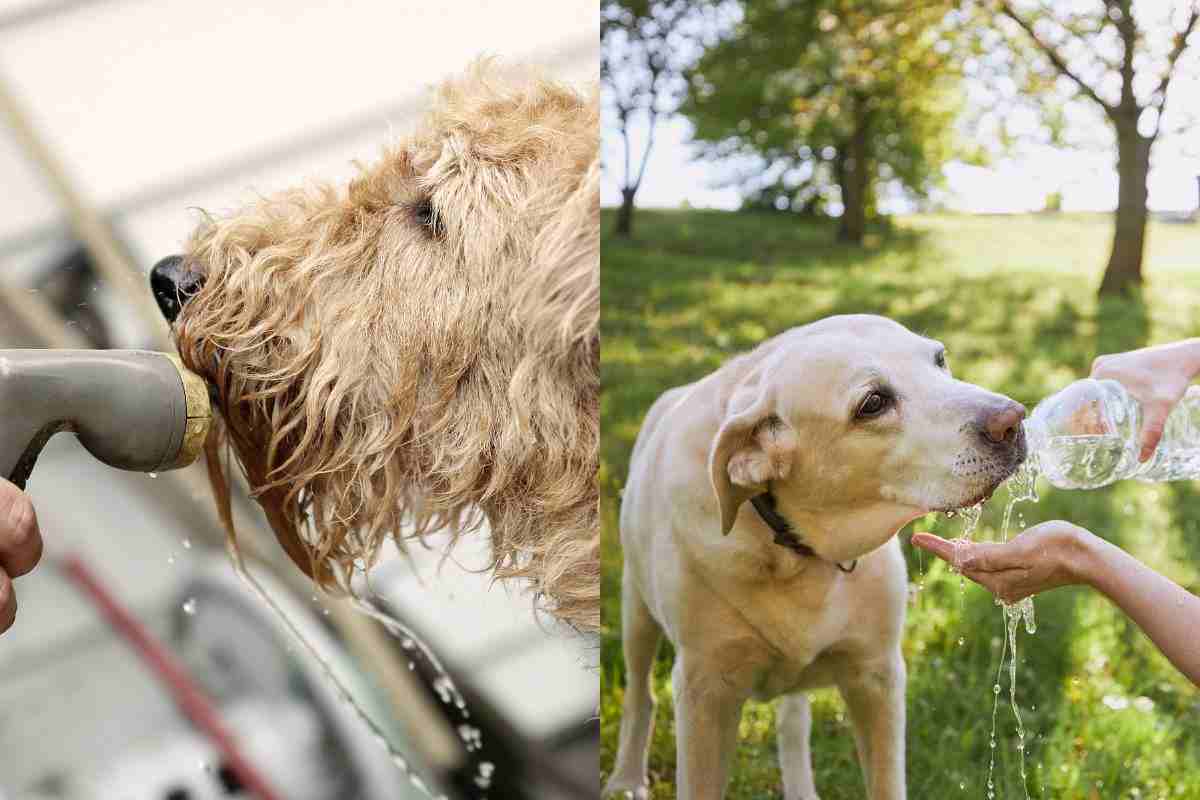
(708,705)
(874,695)
(640,634)
(793,725)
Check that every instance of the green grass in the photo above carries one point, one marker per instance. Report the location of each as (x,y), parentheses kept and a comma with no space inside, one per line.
(1014,300)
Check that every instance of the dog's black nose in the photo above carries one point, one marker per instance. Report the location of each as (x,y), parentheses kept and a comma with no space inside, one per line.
(173,285)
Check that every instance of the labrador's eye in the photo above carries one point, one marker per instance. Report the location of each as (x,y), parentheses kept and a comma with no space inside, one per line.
(873,405)
(940,359)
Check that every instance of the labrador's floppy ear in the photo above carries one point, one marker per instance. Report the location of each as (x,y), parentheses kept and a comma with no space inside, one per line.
(752,448)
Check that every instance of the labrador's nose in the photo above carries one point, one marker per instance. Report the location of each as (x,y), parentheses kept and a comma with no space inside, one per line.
(173,284)
(1001,424)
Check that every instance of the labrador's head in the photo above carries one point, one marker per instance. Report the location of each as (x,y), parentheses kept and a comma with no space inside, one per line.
(858,426)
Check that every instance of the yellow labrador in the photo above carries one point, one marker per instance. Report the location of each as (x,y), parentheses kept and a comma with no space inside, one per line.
(838,433)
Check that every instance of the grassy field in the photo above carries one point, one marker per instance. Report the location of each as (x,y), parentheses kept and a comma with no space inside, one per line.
(1014,300)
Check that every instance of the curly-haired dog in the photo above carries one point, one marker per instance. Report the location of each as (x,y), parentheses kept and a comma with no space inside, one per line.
(419,352)
(758,529)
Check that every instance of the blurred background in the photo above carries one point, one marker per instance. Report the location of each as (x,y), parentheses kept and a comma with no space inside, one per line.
(1018,178)
(119,119)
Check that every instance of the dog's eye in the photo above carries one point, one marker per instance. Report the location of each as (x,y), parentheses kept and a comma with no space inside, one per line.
(426,216)
(940,359)
(873,405)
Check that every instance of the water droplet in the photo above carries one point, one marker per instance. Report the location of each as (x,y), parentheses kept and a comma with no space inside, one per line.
(152,474)
(171,560)
(996,688)
(471,736)
(961,641)
(187,544)
(189,606)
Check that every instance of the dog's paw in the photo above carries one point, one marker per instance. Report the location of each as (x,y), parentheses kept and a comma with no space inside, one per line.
(626,789)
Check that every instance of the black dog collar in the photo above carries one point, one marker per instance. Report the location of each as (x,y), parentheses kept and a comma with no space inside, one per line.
(785,536)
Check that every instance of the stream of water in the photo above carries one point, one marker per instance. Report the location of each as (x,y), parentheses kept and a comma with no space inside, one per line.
(1021,487)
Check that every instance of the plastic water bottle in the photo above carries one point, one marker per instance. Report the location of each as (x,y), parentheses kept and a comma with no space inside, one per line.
(1088,435)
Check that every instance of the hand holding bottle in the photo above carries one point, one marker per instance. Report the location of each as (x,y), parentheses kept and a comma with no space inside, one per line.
(1157,377)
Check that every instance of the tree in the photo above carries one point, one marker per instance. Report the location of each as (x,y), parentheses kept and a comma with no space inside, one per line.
(842,93)
(646,46)
(1122,58)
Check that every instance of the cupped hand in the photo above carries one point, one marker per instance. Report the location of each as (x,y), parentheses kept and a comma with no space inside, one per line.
(20,546)
(1157,377)
(1043,557)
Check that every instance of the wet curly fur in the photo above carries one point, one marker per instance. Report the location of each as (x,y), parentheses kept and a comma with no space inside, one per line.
(419,352)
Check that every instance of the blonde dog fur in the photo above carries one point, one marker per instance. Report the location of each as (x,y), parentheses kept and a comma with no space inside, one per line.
(419,351)
(855,426)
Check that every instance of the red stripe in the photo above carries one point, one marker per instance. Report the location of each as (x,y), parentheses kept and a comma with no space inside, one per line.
(188,694)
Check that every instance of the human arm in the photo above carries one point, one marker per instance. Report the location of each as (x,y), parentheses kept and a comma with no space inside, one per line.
(20,546)
(1157,377)
(1057,554)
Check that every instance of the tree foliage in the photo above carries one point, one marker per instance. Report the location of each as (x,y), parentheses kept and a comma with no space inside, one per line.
(1118,56)
(820,93)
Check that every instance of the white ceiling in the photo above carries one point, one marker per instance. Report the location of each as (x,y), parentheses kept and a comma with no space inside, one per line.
(158,106)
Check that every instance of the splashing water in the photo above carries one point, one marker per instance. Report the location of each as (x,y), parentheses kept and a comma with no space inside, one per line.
(483,778)
(443,685)
(1021,486)
(971,515)
(397,758)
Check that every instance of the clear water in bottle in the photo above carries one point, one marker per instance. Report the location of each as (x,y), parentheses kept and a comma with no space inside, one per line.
(1088,435)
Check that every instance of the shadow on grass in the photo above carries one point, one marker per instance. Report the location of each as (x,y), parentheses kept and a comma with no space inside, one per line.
(1123,323)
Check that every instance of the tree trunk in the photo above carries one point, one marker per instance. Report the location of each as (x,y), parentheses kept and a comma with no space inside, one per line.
(1124,270)
(855,182)
(625,214)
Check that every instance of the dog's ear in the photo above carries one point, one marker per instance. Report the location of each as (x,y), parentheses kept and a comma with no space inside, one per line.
(753,447)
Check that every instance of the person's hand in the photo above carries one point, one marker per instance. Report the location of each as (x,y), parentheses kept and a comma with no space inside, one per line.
(1043,557)
(1157,377)
(20,546)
